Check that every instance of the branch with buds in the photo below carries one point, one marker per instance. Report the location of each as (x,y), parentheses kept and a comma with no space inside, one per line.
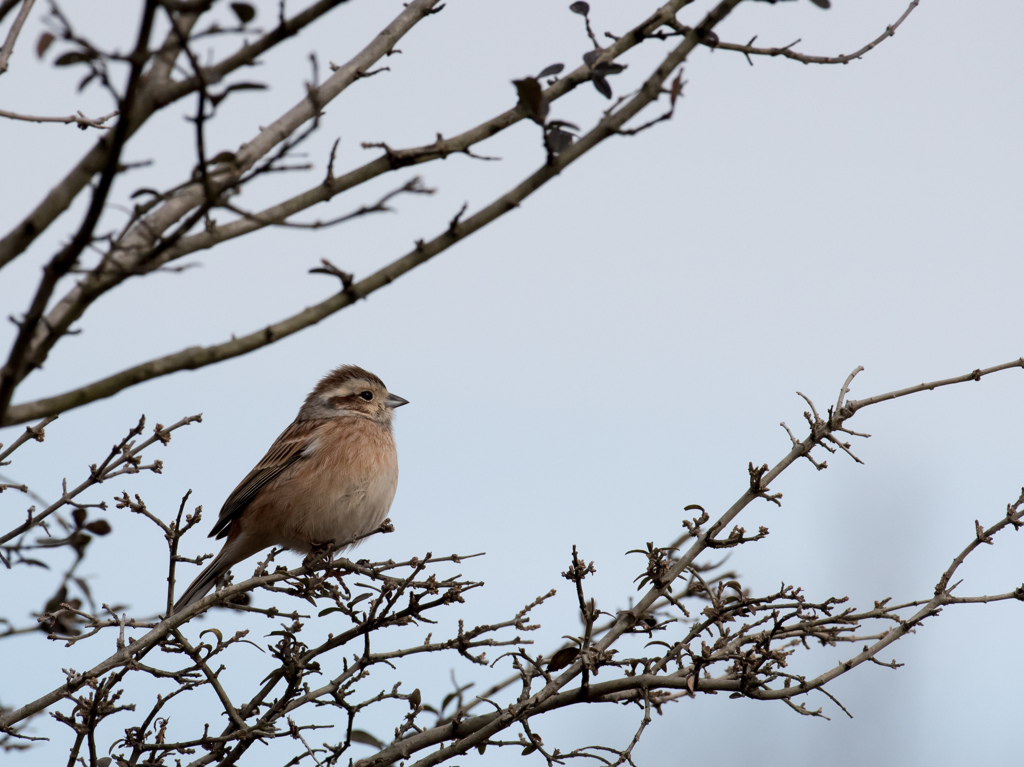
(694,629)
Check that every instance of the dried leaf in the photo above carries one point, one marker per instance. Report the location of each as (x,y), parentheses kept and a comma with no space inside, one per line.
(415,698)
(563,658)
(580,7)
(554,69)
(84,586)
(361,736)
(75,57)
(99,526)
(246,87)
(453,695)
(822,3)
(602,86)
(56,600)
(79,516)
(44,42)
(558,140)
(591,56)
(79,541)
(244,12)
(531,98)
(673,94)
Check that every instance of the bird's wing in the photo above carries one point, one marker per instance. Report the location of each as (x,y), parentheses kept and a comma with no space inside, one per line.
(287,449)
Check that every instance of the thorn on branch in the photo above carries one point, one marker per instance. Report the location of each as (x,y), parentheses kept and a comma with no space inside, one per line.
(674,92)
(693,526)
(453,224)
(578,570)
(891,664)
(736,537)
(840,411)
(369,72)
(346,278)
(330,161)
(981,535)
(757,486)
(395,161)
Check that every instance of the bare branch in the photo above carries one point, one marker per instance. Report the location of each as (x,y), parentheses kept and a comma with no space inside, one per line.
(78,119)
(21,360)
(12,35)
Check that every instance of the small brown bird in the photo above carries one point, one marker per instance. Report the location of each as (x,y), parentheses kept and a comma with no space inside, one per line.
(325,482)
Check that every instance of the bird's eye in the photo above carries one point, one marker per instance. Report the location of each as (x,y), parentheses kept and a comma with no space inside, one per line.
(366,395)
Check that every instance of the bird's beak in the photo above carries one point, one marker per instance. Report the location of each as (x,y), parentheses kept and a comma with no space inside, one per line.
(394,401)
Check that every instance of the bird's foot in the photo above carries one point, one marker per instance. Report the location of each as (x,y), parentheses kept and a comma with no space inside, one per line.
(320,552)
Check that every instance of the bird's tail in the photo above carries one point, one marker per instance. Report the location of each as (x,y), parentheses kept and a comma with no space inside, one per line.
(204,582)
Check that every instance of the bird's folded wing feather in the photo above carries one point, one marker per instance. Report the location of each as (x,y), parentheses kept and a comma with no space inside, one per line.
(287,450)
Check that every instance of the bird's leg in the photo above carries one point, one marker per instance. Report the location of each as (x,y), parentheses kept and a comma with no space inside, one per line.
(320,553)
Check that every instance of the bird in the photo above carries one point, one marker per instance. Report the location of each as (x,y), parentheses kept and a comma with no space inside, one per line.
(328,479)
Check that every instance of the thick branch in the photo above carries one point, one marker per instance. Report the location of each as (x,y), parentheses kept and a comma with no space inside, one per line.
(134,250)
(197,357)
(21,360)
(12,36)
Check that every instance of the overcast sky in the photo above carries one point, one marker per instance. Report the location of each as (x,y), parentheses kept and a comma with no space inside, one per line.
(619,347)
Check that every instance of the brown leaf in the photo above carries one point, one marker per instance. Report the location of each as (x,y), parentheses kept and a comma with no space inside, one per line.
(531,98)
(226,157)
(563,658)
(99,526)
(44,42)
(75,57)
(602,86)
(361,736)
(244,12)
(674,93)
(554,69)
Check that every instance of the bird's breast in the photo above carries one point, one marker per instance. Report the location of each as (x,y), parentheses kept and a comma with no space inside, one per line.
(344,488)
